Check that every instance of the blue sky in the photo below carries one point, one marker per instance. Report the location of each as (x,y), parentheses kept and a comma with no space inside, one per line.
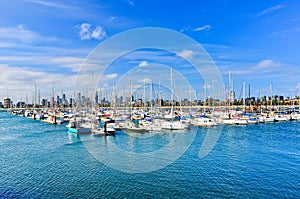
(45,41)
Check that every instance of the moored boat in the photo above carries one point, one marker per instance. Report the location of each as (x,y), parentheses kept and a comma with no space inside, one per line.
(76,127)
(173,125)
(240,122)
(204,121)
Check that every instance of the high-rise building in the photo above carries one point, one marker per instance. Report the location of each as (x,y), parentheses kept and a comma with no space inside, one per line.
(71,102)
(96,97)
(57,100)
(78,101)
(121,100)
(6,102)
(64,100)
(232,96)
(44,102)
(20,104)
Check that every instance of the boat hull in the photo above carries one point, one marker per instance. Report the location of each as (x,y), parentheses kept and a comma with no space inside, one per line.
(80,130)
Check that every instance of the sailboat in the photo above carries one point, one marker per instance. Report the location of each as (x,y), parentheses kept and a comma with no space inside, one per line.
(102,131)
(133,126)
(75,126)
(295,116)
(229,116)
(171,123)
(204,121)
(80,124)
(241,120)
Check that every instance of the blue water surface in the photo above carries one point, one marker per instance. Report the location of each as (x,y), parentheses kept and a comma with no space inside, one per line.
(39,160)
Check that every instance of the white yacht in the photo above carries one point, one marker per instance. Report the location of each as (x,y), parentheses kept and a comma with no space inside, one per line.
(203,121)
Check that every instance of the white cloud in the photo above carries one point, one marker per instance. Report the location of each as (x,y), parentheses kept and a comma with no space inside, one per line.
(18,34)
(267,63)
(105,85)
(185,29)
(215,46)
(48,4)
(67,60)
(111,76)
(145,80)
(143,70)
(19,81)
(6,44)
(22,37)
(130,2)
(266,66)
(98,33)
(269,10)
(242,72)
(143,64)
(186,54)
(206,27)
(86,32)
(283,32)
(70,62)
(20,74)
(112,18)
(202,28)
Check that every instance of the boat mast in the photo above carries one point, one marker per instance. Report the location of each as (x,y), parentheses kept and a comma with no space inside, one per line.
(249,100)
(293,102)
(271,88)
(159,94)
(144,94)
(204,88)
(150,94)
(213,96)
(191,104)
(233,96)
(172,93)
(26,100)
(244,96)
(130,96)
(39,98)
(92,93)
(159,98)
(52,99)
(34,96)
(112,97)
(228,92)
(260,101)
(74,102)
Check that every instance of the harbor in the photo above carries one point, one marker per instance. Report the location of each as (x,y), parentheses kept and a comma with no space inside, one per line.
(155,117)
(93,146)
(149,99)
(94,112)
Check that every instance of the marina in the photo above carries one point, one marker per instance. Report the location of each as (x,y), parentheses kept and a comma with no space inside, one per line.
(145,119)
(149,99)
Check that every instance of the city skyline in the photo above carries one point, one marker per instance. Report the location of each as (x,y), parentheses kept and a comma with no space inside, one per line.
(45,42)
(139,99)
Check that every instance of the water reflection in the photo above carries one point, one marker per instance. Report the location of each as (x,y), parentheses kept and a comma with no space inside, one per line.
(142,153)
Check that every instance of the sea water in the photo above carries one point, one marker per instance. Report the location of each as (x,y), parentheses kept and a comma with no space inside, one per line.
(39,160)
